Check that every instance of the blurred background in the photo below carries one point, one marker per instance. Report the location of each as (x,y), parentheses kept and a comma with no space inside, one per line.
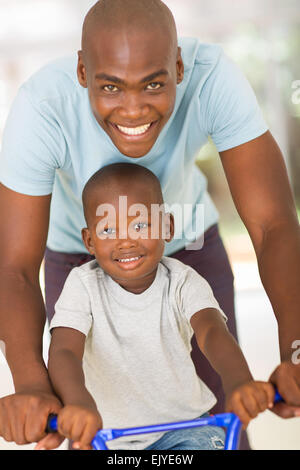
(263,38)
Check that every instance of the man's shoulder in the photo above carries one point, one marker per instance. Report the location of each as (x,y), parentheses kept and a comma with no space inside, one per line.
(55,80)
(194,52)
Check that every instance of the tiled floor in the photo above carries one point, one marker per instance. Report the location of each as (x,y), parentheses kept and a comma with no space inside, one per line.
(258,338)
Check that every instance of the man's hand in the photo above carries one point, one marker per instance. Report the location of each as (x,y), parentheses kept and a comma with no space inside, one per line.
(250,399)
(23,416)
(286,378)
(78,423)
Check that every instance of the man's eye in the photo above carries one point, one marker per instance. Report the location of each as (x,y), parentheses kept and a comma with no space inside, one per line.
(154,86)
(110,88)
(140,226)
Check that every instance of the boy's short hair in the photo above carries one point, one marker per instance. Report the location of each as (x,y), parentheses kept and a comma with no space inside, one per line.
(113,175)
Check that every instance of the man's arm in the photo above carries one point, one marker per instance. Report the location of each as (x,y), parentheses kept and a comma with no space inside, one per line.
(259,185)
(23,234)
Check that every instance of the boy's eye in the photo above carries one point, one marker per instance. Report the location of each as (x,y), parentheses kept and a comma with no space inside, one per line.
(140,226)
(109,231)
(154,86)
(110,88)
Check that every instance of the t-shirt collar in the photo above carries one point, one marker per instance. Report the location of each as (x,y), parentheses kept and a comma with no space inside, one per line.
(139,300)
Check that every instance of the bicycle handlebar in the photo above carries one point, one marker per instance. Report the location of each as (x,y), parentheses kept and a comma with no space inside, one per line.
(228,420)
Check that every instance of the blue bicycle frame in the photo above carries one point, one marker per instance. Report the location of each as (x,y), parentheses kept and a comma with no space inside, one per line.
(228,420)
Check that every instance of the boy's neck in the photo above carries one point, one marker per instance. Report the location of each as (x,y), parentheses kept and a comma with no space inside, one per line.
(138,286)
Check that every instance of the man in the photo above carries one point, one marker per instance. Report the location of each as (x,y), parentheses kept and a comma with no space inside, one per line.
(138,96)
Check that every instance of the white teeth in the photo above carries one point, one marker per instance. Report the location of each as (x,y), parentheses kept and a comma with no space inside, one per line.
(128,259)
(134,130)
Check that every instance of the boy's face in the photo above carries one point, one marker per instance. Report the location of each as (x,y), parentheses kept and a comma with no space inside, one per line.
(122,244)
(131,79)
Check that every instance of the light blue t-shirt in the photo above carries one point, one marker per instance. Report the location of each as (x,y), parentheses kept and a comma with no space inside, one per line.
(52,142)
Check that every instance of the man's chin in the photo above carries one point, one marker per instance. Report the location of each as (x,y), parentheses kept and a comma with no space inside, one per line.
(134,151)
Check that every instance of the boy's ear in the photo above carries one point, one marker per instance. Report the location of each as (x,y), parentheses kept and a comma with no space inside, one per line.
(81,71)
(87,240)
(169,227)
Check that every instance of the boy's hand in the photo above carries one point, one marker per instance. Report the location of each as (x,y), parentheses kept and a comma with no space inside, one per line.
(249,399)
(78,423)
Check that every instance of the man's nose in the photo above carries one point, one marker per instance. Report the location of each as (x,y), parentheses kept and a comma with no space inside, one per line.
(134,107)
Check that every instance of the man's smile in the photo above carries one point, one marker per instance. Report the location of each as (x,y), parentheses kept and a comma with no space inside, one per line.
(137,132)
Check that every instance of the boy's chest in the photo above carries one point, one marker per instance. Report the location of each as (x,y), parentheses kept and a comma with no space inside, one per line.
(124,328)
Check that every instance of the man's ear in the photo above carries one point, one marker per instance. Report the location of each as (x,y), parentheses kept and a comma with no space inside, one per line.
(81,71)
(87,240)
(169,227)
(179,66)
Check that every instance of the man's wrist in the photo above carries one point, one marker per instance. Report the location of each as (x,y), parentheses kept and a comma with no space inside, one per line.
(291,353)
(33,376)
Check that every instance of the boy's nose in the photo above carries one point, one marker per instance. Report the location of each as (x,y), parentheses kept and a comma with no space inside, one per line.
(126,243)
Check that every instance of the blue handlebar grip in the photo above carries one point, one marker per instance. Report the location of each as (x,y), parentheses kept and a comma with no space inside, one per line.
(51,426)
(277,397)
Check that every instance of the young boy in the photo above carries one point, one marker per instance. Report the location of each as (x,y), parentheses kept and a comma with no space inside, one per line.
(120,347)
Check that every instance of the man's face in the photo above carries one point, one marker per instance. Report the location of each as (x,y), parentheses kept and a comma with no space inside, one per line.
(131,80)
(123,244)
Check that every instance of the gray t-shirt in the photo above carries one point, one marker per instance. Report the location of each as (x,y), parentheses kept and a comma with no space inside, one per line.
(137,362)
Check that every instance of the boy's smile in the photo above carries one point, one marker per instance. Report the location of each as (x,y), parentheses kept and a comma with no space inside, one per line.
(129,262)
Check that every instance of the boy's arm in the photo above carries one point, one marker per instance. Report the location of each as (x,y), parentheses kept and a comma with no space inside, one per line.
(220,348)
(65,367)
(243,396)
(79,420)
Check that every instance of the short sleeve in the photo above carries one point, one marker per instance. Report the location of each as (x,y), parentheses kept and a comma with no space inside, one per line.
(32,147)
(194,294)
(229,105)
(73,308)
